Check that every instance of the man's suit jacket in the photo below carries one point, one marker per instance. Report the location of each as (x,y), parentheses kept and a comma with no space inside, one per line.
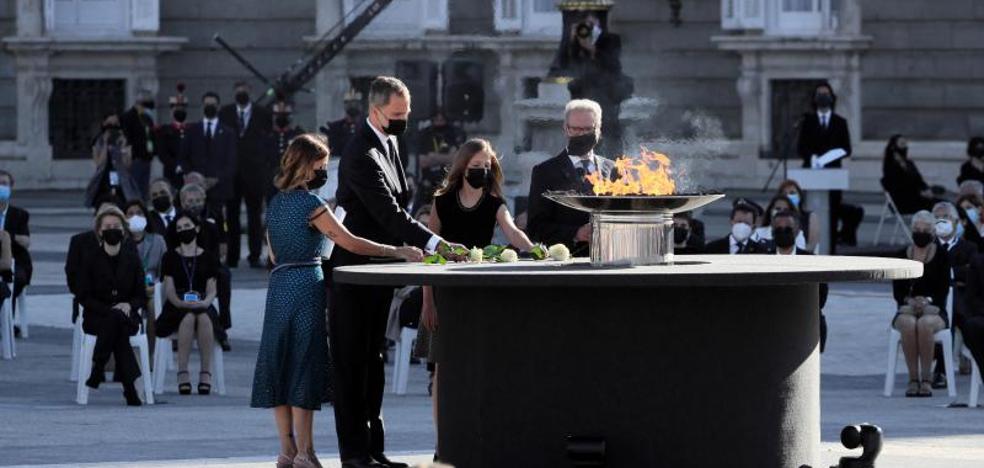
(250,142)
(815,140)
(373,191)
(133,125)
(169,141)
(221,164)
(723,246)
(549,222)
(17,224)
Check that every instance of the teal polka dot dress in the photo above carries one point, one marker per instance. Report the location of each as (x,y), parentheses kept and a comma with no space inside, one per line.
(293,366)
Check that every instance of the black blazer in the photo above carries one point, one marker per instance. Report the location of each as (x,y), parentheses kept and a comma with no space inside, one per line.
(169,140)
(549,222)
(960,256)
(723,246)
(904,184)
(934,283)
(372,189)
(100,287)
(975,287)
(814,140)
(80,247)
(17,224)
(133,124)
(251,142)
(222,162)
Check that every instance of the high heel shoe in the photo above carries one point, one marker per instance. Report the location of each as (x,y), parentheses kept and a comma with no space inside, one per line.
(184,388)
(204,388)
(283,461)
(306,461)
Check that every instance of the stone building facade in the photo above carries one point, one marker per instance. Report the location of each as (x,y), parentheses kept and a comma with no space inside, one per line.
(729,80)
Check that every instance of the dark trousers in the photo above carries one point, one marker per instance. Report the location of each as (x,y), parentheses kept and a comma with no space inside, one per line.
(823,332)
(848,217)
(253,195)
(973,333)
(113,339)
(223,288)
(357,326)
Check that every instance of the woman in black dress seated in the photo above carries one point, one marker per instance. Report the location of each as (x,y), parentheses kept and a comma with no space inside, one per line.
(902,180)
(112,294)
(922,304)
(190,288)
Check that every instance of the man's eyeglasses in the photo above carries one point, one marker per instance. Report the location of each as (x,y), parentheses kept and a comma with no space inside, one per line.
(581,129)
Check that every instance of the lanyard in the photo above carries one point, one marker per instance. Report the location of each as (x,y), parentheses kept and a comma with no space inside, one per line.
(191,275)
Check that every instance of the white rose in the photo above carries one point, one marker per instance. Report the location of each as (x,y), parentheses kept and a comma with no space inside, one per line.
(508,256)
(559,252)
(475,255)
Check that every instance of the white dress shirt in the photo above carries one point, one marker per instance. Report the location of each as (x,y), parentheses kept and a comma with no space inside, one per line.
(824,117)
(247,113)
(214,122)
(590,157)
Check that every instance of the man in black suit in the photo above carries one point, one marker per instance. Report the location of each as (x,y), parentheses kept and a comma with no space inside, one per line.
(785,228)
(137,124)
(821,131)
(252,126)
(15,221)
(209,148)
(341,131)
(550,222)
(163,211)
(372,193)
(960,253)
(276,143)
(171,136)
(739,241)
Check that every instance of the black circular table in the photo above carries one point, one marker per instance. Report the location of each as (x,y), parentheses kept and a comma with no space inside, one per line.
(711,361)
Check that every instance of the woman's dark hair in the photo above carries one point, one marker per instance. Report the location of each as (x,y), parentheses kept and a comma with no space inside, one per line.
(456,175)
(792,183)
(891,147)
(137,203)
(973,199)
(195,219)
(973,144)
(746,208)
(767,217)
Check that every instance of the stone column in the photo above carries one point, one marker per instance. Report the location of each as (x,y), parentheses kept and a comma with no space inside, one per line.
(30,18)
(33,93)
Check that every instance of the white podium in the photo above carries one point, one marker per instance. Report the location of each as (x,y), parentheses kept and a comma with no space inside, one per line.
(818,183)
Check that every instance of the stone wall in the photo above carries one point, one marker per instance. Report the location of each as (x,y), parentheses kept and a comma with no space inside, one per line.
(8,81)
(269,34)
(924,73)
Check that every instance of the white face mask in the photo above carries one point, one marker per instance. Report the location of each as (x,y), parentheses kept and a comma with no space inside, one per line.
(944,228)
(137,223)
(741,231)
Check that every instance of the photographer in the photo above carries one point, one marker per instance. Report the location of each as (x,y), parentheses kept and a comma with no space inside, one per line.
(113,158)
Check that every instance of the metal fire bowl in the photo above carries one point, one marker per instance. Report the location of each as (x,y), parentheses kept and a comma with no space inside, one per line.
(610,204)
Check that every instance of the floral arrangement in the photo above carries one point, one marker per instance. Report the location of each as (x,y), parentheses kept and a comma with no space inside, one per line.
(502,254)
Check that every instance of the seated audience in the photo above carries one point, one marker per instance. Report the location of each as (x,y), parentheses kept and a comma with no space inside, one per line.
(902,180)
(162,202)
(972,326)
(778,204)
(809,221)
(969,207)
(739,241)
(79,247)
(922,304)
(190,286)
(6,263)
(150,249)
(112,293)
(785,232)
(973,169)
(14,221)
(688,233)
(959,253)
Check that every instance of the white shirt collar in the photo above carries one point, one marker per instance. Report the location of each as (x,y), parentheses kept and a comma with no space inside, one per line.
(245,109)
(824,114)
(383,138)
(214,121)
(576,160)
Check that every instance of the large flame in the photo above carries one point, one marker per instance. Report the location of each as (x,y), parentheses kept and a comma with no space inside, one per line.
(647,175)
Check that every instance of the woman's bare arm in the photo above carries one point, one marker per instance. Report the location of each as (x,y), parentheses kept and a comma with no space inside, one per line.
(326,222)
(515,236)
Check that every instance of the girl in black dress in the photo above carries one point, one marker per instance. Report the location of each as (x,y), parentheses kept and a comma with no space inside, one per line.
(190,274)
(466,210)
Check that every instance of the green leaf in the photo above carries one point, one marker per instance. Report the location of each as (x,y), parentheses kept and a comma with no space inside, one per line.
(492,251)
(460,251)
(435,259)
(538,252)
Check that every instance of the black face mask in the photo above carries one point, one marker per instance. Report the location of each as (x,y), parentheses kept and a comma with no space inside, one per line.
(281,120)
(921,239)
(904,152)
(680,235)
(148,105)
(784,237)
(187,236)
(162,204)
(396,127)
(582,144)
(824,101)
(319,180)
(242,98)
(112,237)
(477,177)
(977,152)
(210,111)
(180,115)
(352,111)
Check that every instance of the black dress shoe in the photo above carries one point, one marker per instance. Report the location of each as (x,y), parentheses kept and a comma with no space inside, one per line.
(96,377)
(361,464)
(379,457)
(224,344)
(939,381)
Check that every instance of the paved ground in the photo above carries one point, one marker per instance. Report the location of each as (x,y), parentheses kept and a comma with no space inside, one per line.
(40,425)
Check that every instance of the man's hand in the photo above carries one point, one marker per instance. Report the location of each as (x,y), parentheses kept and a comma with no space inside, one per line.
(583,233)
(452,251)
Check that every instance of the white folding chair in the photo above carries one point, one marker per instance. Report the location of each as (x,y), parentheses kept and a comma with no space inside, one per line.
(88,345)
(975,379)
(401,360)
(944,337)
(76,347)
(163,358)
(8,347)
(889,209)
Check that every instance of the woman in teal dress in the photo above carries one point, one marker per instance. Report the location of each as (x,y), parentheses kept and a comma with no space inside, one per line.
(292,365)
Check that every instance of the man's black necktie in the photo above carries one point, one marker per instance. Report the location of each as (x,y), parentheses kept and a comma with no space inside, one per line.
(394,158)
(242,123)
(582,170)
(208,139)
